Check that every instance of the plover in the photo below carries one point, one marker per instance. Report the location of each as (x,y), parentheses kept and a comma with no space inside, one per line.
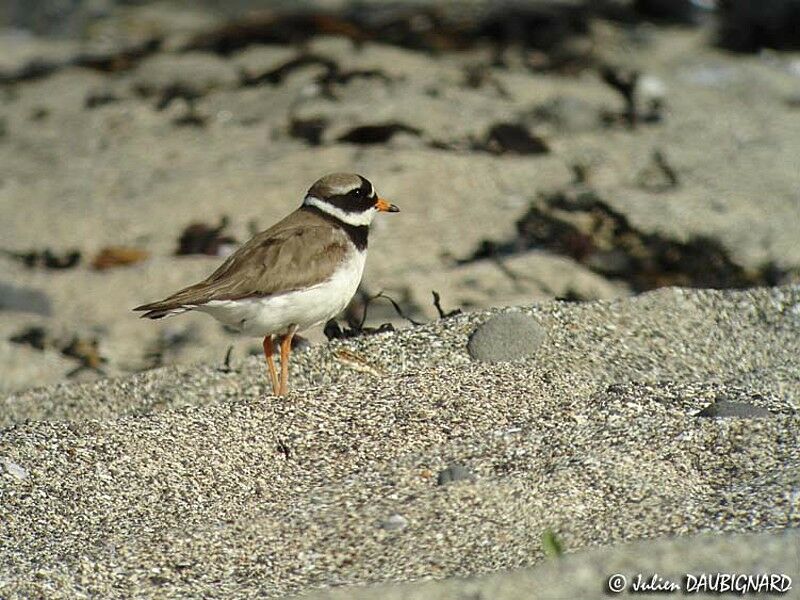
(298,273)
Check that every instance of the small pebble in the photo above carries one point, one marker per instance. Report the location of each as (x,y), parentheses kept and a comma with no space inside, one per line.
(454,473)
(24,299)
(14,469)
(395,523)
(727,408)
(506,337)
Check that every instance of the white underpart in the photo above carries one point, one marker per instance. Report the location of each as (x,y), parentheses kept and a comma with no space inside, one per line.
(271,315)
(351,218)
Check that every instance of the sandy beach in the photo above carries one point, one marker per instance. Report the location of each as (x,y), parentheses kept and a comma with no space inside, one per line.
(609,383)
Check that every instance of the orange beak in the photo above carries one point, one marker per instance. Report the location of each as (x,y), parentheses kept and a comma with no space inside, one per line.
(384,205)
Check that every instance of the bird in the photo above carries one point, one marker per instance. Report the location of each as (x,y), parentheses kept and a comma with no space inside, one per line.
(299,273)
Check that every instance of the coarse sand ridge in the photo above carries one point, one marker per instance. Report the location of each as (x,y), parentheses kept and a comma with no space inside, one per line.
(192,482)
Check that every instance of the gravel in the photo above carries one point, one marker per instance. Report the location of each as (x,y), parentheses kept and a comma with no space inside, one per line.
(194,482)
(679,561)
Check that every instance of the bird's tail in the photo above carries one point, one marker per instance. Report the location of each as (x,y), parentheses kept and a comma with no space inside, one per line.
(159,310)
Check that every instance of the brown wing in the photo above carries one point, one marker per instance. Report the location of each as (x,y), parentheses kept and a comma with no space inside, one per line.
(293,254)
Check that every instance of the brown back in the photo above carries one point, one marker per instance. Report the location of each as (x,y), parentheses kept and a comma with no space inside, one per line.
(296,252)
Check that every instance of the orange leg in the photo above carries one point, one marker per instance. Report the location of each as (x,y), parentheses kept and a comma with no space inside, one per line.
(286,349)
(273,373)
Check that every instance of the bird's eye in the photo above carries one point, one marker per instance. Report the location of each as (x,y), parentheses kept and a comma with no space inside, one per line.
(358,192)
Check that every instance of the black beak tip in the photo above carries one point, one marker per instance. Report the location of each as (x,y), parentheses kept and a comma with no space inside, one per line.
(394,208)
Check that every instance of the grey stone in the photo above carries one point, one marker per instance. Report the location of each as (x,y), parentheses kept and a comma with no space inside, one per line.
(14,469)
(506,337)
(22,299)
(454,473)
(394,523)
(728,408)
